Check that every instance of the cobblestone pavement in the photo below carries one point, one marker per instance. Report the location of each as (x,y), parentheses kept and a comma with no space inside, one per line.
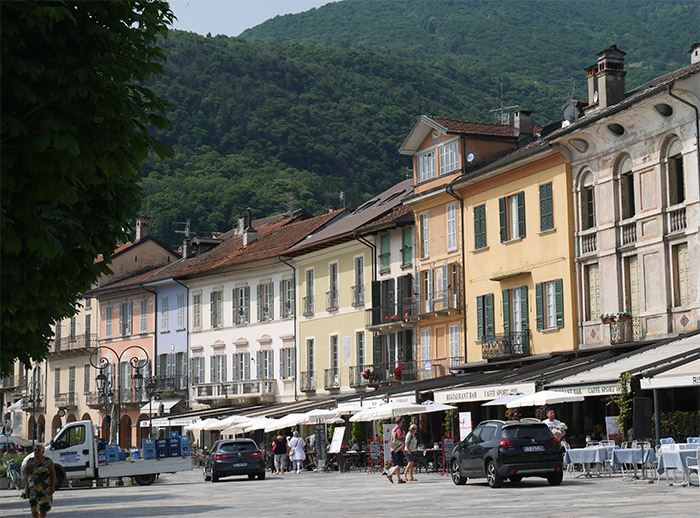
(359,495)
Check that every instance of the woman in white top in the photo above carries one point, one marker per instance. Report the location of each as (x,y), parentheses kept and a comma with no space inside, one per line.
(296,451)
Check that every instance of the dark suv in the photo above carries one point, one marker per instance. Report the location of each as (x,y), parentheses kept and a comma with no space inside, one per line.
(508,449)
(235,457)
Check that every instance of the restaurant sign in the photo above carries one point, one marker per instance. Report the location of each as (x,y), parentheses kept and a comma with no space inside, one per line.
(599,389)
(163,422)
(482,393)
(687,380)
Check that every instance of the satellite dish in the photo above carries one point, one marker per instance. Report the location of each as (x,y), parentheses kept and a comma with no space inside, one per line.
(470,157)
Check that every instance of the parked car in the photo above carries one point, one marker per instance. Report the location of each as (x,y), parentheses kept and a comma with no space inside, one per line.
(234,457)
(499,450)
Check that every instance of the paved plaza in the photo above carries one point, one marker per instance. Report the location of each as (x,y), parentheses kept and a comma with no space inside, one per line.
(357,494)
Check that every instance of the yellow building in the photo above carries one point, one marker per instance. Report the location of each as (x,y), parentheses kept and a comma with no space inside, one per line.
(334,270)
(519,255)
(442,150)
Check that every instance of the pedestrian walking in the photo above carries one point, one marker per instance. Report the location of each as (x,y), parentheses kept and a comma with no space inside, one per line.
(410,447)
(41,482)
(397,445)
(296,451)
(279,449)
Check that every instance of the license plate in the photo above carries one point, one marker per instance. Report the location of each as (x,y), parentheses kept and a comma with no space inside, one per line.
(244,464)
(533,448)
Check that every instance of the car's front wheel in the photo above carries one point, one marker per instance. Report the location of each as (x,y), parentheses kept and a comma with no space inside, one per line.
(457,477)
(555,478)
(492,476)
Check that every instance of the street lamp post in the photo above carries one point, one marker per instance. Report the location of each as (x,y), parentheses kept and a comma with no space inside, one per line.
(150,392)
(35,400)
(104,383)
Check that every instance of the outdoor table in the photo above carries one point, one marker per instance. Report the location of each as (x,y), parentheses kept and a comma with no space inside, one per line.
(588,456)
(431,456)
(675,459)
(633,456)
(355,459)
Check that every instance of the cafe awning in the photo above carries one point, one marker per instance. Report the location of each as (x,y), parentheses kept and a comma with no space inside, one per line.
(686,374)
(602,379)
(159,407)
(483,393)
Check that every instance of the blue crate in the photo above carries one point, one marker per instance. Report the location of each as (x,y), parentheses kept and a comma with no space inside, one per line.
(148,443)
(114,449)
(161,453)
(174,435)
(174,442)
(149,453)
(122,455)
(185,446)
(174,452)
(101,456)
(112,457)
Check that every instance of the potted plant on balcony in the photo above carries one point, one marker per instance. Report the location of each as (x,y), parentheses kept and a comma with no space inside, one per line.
(623,316)
(397,372)
(370,375)
(608,318)
(392,318)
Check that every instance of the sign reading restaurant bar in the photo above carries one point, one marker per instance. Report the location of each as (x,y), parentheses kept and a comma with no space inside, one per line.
(482,393)
(599,389)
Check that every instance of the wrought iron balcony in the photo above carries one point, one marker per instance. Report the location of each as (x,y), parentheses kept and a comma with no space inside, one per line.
(332,298)
(441,302)
(331,378)
(388,316)
(356,379)
(308,305)
(506,345)
(358,295)
(170,383)
(384,373)
(65,400)
(308,381)
(243,389)
(74,344)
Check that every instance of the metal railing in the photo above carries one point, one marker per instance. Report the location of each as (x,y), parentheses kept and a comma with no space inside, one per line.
(226,389)
(65,400)
(308,305)
(332,298)
(356,379)
(170,383)
(69,343)
(438,301)
(389,313)
(358,295)
(441,366)
(628,233)
(331,378)
(621,331)
(308,381)
(7,382)
(384,372)
(588,242)
(506,345)
(676,219)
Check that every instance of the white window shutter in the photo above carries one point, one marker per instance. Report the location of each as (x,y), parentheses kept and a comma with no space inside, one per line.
(246,361)
(258,365)
(235,376)
(271,364)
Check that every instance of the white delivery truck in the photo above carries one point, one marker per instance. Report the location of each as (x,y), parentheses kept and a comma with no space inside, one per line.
(74,454)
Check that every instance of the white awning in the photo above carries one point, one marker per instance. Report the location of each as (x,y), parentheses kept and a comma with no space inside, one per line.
(485,393)
(686,375)
(159,407)
(164,422)
(603,379)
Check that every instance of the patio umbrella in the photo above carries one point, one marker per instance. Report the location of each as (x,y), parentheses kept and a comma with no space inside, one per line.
(259,424)
(200,425)
(503,400)
(285,422)
(320,415)
(432,406)
(223,424)
(544,397)
(387,411)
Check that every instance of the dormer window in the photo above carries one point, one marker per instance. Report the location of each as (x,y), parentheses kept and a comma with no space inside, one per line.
(426,166)
(448,157)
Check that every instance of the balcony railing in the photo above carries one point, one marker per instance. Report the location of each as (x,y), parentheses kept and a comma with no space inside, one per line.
(444,301)
(358,295)
(7,382)
(506,345)
(308,381)
(235,389)
(331,378)
(71,343)
(65,400)
(170,383)
(588,242)
(308,305)
(332,298)
(30,404)
(441,366)
(389,315)
(676,220)
(384,373)
(356,379)
(628,233)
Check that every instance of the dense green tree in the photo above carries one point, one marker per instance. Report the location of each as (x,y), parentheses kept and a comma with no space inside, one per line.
(75,118)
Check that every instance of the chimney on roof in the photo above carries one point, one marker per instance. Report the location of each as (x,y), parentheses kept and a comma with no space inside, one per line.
(250,235)
(186,248)
(606,79)
(143,227)
(573,109)
(694,53)
(523,124)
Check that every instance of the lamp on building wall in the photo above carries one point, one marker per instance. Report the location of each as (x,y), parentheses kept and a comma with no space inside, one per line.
(100,359)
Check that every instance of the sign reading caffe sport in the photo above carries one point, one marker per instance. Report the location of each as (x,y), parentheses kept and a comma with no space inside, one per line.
(482,393)
(599,389)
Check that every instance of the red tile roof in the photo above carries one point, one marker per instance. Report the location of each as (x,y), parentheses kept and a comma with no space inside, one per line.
(117,250)
(474,128)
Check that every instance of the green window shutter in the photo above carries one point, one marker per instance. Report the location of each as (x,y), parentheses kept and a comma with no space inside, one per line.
(559,294)
(260,303)
(489,315)
(480,317)
(391,296)
(521,214)
(504,219)
(399,297)
(546,207)
(523,305)
(506,311)
(479,227)
(538,305)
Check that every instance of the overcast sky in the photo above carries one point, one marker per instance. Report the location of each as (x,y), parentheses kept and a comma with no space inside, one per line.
(232,17)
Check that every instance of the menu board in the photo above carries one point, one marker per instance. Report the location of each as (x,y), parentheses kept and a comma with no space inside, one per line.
(337,440)
(448,444)
(320,444)
(375,451)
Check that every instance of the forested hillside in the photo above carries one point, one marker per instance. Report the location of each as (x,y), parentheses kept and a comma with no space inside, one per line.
(276,125)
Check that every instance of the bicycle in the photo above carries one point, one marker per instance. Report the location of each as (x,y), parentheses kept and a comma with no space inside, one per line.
(13,474)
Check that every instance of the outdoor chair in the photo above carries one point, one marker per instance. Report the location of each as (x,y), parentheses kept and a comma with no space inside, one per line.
(692,464)
(693,440)
(667,440)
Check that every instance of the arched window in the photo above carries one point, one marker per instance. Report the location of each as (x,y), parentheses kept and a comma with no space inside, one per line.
(587,201)
(675,179)
(626,186)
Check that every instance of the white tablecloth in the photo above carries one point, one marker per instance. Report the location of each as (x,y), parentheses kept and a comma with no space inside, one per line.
(598,454)
(632,456)
(675,459)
